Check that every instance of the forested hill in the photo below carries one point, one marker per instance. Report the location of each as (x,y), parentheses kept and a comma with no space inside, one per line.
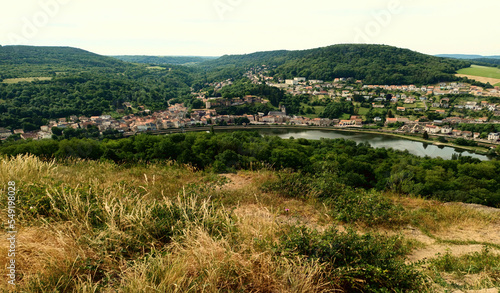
(375,64)
(27,61)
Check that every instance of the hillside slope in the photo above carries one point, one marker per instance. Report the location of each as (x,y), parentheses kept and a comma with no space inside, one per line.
(165,227)
(27,61)
(375,64)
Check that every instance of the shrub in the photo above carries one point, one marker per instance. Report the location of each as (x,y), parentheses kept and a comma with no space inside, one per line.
(352,262)
(369,207)
(290,184)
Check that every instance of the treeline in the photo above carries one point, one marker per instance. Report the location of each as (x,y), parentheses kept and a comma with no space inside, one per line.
(486,61)
(344,163)
(484,129)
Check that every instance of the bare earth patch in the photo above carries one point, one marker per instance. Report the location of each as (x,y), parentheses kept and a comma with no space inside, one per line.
(237,181)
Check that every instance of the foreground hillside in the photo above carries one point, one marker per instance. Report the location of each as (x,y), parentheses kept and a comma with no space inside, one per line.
(90,226)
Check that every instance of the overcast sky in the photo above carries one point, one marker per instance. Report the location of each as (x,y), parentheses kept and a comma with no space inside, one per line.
(218,27)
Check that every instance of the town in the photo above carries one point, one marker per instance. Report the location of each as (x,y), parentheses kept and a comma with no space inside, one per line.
(405,108)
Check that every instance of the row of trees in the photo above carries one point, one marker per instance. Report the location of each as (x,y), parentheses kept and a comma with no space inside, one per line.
(359,166)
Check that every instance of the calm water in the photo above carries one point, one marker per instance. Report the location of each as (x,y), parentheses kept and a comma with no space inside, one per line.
(375,140)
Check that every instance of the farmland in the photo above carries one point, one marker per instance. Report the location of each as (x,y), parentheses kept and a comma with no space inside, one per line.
(485,74)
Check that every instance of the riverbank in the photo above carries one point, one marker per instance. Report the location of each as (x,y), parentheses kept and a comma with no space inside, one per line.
(477,150)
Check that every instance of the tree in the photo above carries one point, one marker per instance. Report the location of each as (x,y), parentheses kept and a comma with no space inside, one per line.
(57,131)
(425,135)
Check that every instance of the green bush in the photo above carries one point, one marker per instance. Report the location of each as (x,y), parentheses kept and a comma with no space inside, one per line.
(291,184)
(369,207)
(353,262)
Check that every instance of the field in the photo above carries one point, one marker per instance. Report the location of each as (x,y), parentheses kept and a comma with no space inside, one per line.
(88,226)
(26,79)
(481,74)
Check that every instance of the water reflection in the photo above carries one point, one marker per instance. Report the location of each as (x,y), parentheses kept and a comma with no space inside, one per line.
(375,140)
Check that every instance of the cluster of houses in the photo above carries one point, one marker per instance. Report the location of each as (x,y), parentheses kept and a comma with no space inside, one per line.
(220,102)
(442,127)
(337,88)
(176,116)
(448,130)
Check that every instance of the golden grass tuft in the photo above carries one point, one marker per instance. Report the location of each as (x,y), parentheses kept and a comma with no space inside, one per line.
(40,249)
(204,264)
(25,168)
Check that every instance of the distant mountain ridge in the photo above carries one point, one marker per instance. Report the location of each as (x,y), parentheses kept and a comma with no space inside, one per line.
(466,56)
(53,55)
(162,60)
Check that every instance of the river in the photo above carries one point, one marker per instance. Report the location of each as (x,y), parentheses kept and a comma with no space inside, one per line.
(375,140)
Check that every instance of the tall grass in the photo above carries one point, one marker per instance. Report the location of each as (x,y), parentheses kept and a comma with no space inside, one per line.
(89,226)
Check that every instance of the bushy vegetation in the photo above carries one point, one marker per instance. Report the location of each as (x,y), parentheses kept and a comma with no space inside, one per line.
(484,264)
(164,227)
(341,161)
(353,262)
(98,226)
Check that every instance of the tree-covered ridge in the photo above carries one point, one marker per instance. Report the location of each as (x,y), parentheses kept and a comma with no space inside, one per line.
(375,64)
(27,61)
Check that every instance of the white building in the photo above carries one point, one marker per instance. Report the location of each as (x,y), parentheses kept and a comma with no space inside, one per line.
(494,136)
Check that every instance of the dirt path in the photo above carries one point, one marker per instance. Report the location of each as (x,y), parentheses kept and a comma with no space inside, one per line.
(237,181)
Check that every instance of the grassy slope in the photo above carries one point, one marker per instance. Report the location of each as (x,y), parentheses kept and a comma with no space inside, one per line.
(483,71)
(99,237)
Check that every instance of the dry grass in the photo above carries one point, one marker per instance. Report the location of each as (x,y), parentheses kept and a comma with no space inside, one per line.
(204,264)
(434,216)
(26,168)
(99,236)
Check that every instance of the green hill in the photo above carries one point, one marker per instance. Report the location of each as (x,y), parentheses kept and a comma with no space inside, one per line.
(42,83)
(375,64)
(31,61)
